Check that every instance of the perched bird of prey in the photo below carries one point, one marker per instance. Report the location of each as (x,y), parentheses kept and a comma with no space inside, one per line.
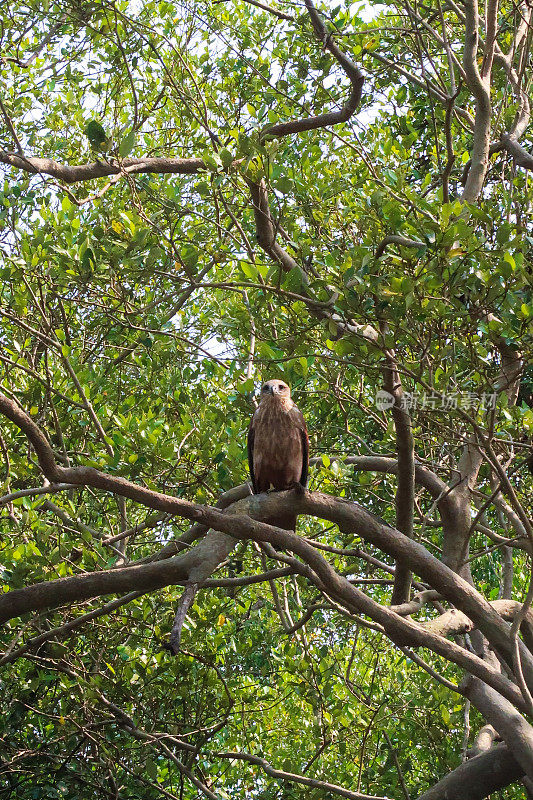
(278,445)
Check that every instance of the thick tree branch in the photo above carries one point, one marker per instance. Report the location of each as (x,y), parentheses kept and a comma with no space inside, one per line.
(185,602)
(480,87)
(519,154)
(266,229)
(479,777)
(512,727)
(240,524)
(213,550)
(99,169)
(454,622)
(484,741)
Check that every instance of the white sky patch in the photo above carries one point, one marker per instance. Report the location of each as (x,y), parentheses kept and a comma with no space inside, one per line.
(368,11)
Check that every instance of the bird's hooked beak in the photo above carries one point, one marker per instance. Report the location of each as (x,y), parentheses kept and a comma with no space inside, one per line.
(273,389)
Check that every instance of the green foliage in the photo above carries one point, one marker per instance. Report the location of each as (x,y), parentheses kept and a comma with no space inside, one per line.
(151,291)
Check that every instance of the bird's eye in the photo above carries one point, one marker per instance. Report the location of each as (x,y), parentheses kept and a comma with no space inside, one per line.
(264,389)
(281,386)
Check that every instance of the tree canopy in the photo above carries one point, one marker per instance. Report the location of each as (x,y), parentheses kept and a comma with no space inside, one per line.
(198,196)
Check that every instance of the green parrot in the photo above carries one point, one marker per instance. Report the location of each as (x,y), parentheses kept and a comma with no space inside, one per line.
(97,137)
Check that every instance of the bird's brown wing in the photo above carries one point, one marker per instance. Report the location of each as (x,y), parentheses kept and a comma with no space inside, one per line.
(251,437)
(305,457)
(300,422)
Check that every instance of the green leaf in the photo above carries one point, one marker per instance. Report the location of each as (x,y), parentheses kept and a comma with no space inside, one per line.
(151,769)
(226,157)
(293,280)
(127,144)
(283,184)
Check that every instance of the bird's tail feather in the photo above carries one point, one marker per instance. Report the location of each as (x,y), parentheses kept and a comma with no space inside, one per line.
(285,521)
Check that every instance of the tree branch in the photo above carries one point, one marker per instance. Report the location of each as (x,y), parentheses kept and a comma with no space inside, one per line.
(480,88)
(244,522)
(301,779)
(98,169)
(512,727)
(333,117)
(479,777)
(405,490)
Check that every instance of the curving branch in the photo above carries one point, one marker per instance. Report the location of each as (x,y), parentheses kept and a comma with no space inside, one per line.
(402,241)
(291,777)
(478,777)
(479,85)
(185,602)
(266,233)
(333,117)
(509,143)
(511,726)
(266,228)
(189,166)
(246,520)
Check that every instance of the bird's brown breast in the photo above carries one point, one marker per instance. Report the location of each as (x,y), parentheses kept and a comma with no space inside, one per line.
(278,452)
